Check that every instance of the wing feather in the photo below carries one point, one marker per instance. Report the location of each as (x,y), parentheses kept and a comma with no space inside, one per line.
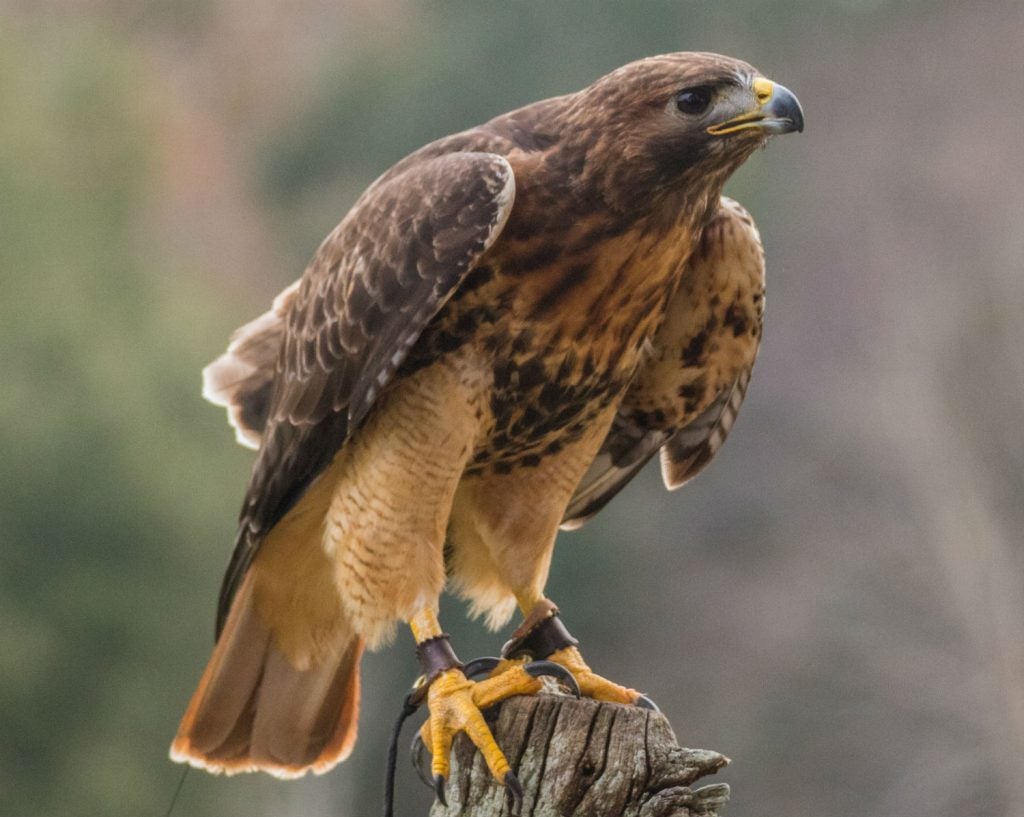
(375,283)
(686,452)
(676,404)
(242,378)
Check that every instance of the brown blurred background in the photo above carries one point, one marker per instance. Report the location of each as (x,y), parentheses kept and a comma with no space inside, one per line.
(837,604)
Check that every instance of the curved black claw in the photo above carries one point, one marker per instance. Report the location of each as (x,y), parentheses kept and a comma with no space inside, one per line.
(514,789)
(646,703)
(556,671)
(480,666)
(439,781)
(421,760)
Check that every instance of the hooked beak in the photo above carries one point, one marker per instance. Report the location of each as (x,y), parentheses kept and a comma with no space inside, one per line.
(777,111)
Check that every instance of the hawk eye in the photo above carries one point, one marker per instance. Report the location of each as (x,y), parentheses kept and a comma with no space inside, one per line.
(694,101)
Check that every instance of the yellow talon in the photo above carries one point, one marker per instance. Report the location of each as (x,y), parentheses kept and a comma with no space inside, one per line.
(514,680)
(591,684)
(455,702)
(455,705)
(505,665)
(542,635)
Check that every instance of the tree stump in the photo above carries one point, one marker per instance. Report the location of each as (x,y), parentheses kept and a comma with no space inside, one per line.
(583,758)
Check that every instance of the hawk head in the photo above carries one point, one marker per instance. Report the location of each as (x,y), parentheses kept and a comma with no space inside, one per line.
(677,122)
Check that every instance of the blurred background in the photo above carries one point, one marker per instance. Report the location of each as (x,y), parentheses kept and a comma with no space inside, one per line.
(837,603)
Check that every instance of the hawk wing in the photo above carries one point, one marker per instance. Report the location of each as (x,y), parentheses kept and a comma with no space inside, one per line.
(242,379)
(687,395)
(373,286)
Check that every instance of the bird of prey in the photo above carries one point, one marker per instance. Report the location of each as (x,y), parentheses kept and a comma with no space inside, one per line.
(507,325)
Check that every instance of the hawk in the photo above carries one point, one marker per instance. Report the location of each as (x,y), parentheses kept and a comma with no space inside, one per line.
(507,325)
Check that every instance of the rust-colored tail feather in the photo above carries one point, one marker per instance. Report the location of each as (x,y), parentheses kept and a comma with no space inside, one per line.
(254,711)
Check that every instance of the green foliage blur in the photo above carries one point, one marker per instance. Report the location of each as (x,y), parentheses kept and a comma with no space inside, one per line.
(837,604)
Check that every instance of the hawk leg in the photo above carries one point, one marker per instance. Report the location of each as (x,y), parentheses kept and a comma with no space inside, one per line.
(455,702)
(543,636)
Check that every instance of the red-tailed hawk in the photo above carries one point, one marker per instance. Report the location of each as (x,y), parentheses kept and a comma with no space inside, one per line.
(505,327)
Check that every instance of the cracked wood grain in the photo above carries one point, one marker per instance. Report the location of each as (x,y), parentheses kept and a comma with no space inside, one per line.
(577,758)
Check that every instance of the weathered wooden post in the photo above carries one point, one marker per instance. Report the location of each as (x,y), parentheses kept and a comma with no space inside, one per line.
(581,758)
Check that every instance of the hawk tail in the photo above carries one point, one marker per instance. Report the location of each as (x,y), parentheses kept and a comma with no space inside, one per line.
(255,711)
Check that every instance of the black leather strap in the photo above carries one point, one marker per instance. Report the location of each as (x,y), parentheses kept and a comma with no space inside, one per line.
(537,639)
(435,656)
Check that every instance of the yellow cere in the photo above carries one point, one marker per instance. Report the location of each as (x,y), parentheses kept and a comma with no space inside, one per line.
(763,89)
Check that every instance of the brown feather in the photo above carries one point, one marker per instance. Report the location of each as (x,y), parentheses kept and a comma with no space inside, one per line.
(688,392)
(400,254)
(242,378)
(281,691)
(254,710)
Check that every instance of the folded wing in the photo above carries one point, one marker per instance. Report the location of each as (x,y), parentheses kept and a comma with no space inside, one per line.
(347,325)
(687,395)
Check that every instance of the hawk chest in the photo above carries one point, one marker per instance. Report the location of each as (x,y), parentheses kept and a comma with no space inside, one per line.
(561,330)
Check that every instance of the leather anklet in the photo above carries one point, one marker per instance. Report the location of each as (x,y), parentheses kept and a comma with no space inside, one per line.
(542,634)
(435,655)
